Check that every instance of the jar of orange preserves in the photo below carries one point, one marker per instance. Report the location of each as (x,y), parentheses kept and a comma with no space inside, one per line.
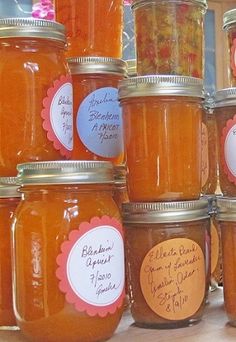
(229,25)
(166,262)
(97,114)
(9,199)
(94,27)
(36,93)
(162,118)
(225,111)
(120,194)
(69,277)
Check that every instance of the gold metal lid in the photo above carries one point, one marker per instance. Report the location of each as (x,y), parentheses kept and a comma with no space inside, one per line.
(138,3)
(32,28)
(120,174)
(165,212)
(226,208)
(162,85)
(97,65)
(9,187)
(229,18)
(65,172)
(132,67)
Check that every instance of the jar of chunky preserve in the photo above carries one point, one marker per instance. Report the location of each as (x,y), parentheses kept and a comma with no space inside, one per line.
(165,256)
(97,114)
(173,45)
(69,277)
(229,25)
(162,117)
(226,215)
(225,111)
(9,199)
(94,27)
(120,194)
(36,93)
(209,149)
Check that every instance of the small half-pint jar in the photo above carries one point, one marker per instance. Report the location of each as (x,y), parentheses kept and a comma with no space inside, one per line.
(162,118)
(165,257)
(229,25)
(225,111)
(226,215)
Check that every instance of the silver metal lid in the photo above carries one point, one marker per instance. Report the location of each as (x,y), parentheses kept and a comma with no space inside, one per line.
(9,187)
(66,172)
(32,28)
(138,3)
(211,199)
(132,67)
(165,212)
(226,209)
(97,65)
(120,174)
(229,18)
(225,97)
(161,85)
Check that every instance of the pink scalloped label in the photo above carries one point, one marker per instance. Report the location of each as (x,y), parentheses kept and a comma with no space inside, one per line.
(91,267)
(228,149)
(58,115)
(233,57)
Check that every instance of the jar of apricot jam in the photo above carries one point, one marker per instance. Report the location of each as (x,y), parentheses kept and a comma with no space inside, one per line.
(36,93)
(120,194)
(9,199)
(225,111)
(97,114)
(169,37)
(94,27)
(69,274)
(162,117)
(226,215)
(165,256)
(229,25)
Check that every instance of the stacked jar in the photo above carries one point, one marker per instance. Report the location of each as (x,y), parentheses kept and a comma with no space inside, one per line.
(166,221)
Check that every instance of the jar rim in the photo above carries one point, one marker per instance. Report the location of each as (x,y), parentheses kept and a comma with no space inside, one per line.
(226,208)
(32,28)
(229,18)
(65,172)
(165,212)
(97,65)
(9,187)
(161,85)
(138,3)
(225,97)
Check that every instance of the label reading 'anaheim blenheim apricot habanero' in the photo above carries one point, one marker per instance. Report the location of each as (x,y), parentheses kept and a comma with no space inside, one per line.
(173,278)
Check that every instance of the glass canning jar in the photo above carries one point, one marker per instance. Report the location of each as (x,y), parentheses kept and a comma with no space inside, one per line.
(165,258)
(229,25)
(69,277)
(120,193)
(162,118)
(36,93)
(174,44)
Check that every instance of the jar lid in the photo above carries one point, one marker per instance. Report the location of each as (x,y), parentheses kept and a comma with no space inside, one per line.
(66,172)
(120,174)
(225,97)
(161,85)
(33,28)
(229,18)
(97,65)
(226,209)
(9,187)
(211,199)
(165,212)
(132,67)
(137,3)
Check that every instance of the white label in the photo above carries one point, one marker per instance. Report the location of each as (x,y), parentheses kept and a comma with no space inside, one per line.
(99,123)
(95,266)
(61,115)
(230,150)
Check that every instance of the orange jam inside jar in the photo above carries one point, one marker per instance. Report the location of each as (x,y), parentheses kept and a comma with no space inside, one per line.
(120,194)
(229,25)
(166,266)
(209,149)
(69,277)
(173,45)
(94,27)
(36,93)
(97,114)
(225,111)
(162,118)
(226,215)
(9,199)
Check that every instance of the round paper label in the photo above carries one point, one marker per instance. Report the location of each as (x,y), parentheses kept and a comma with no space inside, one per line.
(228,148)
(173,278)
(58,115)
(99,123)
(215,248)
(205,156)
(91,267)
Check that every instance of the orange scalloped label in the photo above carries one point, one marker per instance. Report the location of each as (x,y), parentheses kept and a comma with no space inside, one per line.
(58,115)
(173,278)
(228,148)
(233,57)
(215,247)
(91,267)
